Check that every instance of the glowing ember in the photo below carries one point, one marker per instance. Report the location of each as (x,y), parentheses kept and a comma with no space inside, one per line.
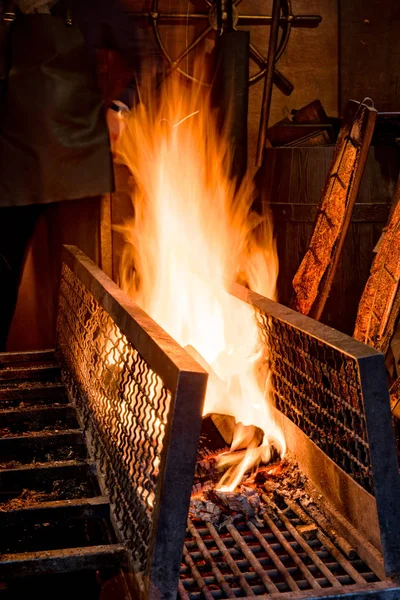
(193,232)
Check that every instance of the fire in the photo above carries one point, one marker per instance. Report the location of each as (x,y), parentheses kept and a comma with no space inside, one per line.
(193,233)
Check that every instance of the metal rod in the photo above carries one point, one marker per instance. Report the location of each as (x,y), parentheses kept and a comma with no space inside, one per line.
(274,557)
(281,82)
(322,522)
(306,547)
(267,95)
(196,575)
(347,566)
(183,595)
(285,544)
(295,21)
(176,62)
(255,563)
(229,560)
(206,554)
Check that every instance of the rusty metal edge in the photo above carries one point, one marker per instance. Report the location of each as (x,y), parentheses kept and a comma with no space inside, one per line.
(328,335)
(384,462)
(175,486)
(159,349)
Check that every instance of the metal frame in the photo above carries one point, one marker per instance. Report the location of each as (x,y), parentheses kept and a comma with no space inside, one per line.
(186,381)
(381,441)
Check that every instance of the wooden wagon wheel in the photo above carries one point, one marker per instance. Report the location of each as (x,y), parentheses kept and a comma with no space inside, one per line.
(223,15)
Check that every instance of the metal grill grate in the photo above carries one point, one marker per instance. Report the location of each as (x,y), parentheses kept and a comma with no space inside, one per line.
(319,388)
(139,398)
(244,560)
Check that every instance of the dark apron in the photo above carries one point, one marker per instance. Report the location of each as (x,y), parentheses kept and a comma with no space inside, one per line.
(54,141)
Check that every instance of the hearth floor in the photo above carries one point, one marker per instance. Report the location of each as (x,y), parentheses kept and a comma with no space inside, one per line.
(56,536)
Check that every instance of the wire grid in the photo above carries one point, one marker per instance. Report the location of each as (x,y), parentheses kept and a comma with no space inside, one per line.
(123,404)
(243,560)
(319,388)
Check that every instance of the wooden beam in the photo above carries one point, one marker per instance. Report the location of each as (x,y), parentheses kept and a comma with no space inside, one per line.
(91,558)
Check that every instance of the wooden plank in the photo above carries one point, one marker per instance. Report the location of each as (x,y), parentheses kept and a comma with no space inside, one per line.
(42,372)
(35,393)
(11,358)
(25,447)
(26,476)
(59,510)
(64,417)
(69,560)
(379,306)
(313,280)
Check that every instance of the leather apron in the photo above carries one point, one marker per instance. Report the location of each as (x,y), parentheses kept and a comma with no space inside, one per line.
(54,142)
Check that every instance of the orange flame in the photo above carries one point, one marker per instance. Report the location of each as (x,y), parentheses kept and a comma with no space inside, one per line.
(193,231)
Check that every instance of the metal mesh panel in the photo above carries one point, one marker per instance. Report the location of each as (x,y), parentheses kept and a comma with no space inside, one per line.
(319,388)
(123,404)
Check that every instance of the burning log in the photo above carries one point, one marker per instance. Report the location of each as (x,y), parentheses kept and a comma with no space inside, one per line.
(247,436)
(216,434)
(379,306)
(313,280)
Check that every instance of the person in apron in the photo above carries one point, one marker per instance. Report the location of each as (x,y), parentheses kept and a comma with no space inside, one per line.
(54,140)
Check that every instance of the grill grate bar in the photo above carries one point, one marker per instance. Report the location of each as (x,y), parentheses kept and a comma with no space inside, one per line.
(206,554)
(303,585)
(274,573)
(234,566)
(182,593)
(234,552)
(274,557)
(296,559)
(258,591)
(196,575)
(255,563)
(347,566)
(315,515)
(306,547)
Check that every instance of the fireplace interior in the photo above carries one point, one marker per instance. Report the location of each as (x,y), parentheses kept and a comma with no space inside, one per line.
(99,483)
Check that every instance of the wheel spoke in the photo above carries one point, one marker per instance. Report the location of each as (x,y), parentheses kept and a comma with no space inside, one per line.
(257,56)
(174,17)
(189,49)
(254,19)
(309,21)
